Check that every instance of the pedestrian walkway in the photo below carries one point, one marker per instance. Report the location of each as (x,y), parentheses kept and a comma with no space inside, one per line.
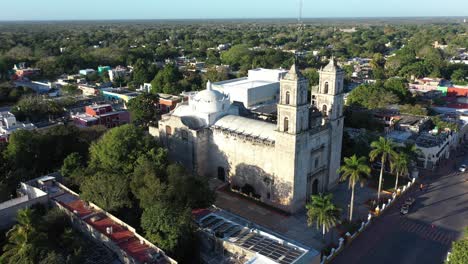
(428,231)
(291,226)
(342,198)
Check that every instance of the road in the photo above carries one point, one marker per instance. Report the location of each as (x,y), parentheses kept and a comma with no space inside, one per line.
(5,109)
(437,218)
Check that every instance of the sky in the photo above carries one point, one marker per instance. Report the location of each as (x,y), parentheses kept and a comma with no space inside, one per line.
(212,9)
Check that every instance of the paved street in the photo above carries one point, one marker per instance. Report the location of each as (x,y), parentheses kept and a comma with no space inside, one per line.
(5,108)
(424,235)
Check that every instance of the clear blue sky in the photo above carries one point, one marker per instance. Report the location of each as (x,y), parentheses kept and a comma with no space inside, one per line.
(188,9)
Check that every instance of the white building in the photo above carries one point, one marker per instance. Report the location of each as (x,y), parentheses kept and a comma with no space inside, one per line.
(261,86)
(281,164)
(146,87)
(87,72)
(8,125)
(118,72)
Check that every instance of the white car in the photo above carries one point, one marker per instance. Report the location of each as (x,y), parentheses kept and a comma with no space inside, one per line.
(462,168)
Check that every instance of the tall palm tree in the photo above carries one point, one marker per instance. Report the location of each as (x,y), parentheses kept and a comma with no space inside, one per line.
(385,148)
(356,170)
(412,152)
(323,212)
(400,166)
(23,240)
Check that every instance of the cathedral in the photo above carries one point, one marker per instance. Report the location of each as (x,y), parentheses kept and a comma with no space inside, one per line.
(281,164)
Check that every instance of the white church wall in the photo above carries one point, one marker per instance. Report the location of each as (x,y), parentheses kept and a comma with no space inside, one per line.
(247,162)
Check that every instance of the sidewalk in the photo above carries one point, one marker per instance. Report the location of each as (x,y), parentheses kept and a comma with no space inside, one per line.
(293,227)
(342,198)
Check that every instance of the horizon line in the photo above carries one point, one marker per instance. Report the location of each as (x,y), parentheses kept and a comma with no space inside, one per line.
(232,18)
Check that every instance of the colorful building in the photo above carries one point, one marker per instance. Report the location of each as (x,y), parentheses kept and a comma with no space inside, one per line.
(168,102)
(101,115)
(103,69)
(118,94)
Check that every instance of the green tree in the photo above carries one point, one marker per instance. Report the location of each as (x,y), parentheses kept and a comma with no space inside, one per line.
(312,76)
(24,240)
(143,108)
(459,251)
(215,75)
(371,97)
(148,184)
(187,190)
(385,149)
(169,227)
(355,170)
(378,66)
(71,163)
(413,109)
(119,149)
(398,87)
(109,190)
(239,56)
(459,76)
(166,80)
(70,89)
(322,212)
(400,166)
(412,152)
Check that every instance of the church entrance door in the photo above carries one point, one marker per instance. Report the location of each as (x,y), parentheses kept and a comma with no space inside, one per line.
(221,174)
(315,187)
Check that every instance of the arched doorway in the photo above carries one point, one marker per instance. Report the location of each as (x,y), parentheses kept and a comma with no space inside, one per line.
(315,187)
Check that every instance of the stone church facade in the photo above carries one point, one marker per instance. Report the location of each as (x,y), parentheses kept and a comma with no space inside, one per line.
(283,163)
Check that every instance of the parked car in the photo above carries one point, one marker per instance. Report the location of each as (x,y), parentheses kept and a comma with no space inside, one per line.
(404,209)
(462,168)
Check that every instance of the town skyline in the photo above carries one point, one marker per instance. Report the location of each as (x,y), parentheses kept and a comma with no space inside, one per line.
(48,10)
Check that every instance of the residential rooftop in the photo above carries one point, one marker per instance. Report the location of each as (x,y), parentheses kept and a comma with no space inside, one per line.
(122,235)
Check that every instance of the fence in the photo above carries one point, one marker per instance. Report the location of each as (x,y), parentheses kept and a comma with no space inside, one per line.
(378,211)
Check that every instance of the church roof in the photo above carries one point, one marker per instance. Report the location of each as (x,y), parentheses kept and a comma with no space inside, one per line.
(247,126)
(193,122)
(209,95)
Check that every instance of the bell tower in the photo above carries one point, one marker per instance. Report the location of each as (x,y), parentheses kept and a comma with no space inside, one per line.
(293,109)
(329,99)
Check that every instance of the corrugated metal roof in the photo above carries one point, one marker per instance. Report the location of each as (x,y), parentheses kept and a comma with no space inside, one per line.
(247,126)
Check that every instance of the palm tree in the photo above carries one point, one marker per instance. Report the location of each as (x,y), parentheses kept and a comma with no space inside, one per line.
(412,152)
(355,169)
(323,212)
(385,148)
(23,240)
(400,166)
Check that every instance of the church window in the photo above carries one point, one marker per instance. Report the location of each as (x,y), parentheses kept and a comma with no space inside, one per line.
(339,86)
(168,130)
(316,163)
(268,196)
(324,110)
(326,88)
(286,124)
(287,97)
